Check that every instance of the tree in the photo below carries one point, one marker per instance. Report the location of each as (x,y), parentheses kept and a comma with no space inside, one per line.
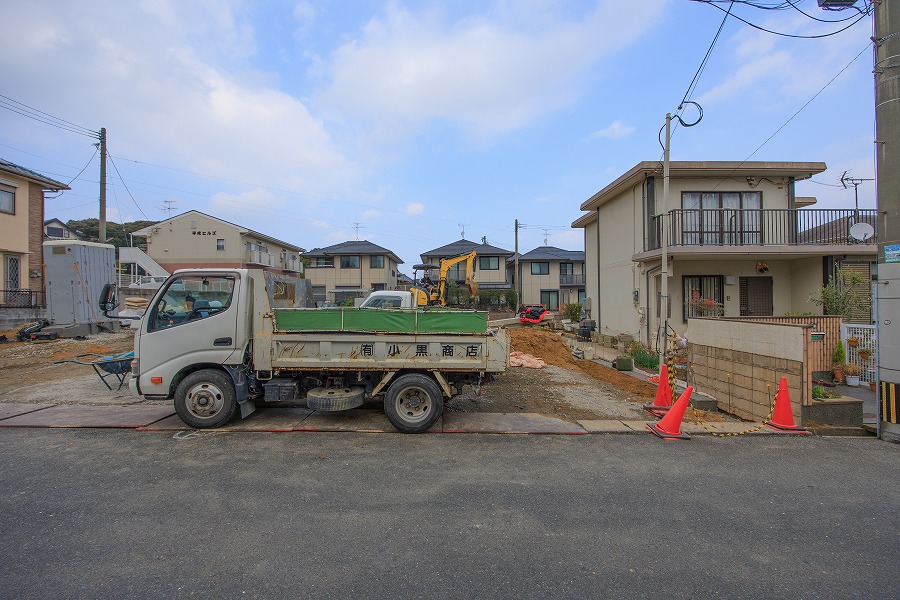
(844,295)
(116,233)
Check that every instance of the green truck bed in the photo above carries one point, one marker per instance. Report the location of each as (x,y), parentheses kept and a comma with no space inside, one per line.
(380,320)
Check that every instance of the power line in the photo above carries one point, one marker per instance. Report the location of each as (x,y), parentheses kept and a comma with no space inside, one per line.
(126,186)
(43,117)
(789,35)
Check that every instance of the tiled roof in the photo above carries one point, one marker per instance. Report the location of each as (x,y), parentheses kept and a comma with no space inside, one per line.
(553,253)
(46,182)
(464,246)
(357,247)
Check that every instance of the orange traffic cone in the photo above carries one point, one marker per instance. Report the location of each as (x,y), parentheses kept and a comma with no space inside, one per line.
(669,427)
(782,417)
(663,401)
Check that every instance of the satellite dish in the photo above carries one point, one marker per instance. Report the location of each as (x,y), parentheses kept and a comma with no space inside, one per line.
(861,231)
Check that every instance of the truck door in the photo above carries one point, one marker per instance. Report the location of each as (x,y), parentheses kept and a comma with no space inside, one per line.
(193,320)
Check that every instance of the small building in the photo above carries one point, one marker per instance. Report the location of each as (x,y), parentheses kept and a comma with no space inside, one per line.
(195,239)
(551,276)
(350,270)
(21,235)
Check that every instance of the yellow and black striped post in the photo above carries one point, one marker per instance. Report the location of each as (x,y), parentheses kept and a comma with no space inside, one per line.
(889,402)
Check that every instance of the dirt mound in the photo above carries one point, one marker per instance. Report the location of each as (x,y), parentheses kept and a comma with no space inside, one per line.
(555,351)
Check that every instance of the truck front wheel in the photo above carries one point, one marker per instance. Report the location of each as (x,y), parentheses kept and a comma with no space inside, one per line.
(205,399)
(413,403)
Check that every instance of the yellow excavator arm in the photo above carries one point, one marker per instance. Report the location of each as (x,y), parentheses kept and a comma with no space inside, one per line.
(437,293)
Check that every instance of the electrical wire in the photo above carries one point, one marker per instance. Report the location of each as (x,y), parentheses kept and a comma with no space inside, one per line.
(789,35)
(43,117)
(126,185)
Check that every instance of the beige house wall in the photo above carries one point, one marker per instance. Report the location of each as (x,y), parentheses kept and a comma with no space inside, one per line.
(189,242)
(362,278)
(481,275)
(806,278)
(591,282)
(15,232)
(532,285)
(192,241)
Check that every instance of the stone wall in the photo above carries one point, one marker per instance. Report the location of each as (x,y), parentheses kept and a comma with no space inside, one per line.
(740,364)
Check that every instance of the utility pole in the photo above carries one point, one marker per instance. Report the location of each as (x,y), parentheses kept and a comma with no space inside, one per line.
(887,182)
(664,219)
(102,233)
(516,268)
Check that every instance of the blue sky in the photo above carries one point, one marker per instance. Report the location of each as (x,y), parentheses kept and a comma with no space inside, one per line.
(406,123)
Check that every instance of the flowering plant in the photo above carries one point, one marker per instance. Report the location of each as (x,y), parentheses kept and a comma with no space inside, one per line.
(704,307)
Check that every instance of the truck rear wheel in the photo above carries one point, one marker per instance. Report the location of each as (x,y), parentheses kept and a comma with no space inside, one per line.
(205,399)
(413,403)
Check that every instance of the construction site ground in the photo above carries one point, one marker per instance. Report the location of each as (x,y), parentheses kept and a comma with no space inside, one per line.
(568,395)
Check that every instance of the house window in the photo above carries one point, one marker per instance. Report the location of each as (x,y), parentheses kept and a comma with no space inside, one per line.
(56,232)
(220,245)
(376,262)
(540,268)
(377,287)
(550,299)
(349,262)
(318,293)
(703,295)
(322,262)
(756,297)
(721,218)
(566,269)
(489,263)
(7,199)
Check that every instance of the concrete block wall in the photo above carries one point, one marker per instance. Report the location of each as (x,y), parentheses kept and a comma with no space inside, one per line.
(741,364)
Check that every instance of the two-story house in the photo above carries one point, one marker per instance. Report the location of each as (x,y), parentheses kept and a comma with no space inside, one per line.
(490,263)
(350,270)
(22,234)
(195,239)
(551,276)
(736,238)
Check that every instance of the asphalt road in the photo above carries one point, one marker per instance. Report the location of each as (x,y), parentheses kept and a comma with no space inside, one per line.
(122,514)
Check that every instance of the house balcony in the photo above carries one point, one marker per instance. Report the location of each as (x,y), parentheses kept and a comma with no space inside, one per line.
(766,232)
(258,258)
(292,265)
(571,280)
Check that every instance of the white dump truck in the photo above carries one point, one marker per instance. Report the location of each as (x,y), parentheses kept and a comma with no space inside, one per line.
(215,341)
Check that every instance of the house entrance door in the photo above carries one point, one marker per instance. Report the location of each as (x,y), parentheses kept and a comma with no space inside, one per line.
(756,297)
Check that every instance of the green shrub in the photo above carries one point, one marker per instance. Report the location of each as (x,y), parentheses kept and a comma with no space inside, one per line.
(572,311)
(642,356)
(839,357)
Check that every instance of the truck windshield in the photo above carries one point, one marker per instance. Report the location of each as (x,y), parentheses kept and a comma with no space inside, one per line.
(383,302)
(190,298)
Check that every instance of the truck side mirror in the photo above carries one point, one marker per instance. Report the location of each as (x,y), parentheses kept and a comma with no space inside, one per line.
(108,298)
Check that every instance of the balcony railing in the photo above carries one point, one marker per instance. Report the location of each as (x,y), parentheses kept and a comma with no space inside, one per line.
(764,227)
(291,264)
(571,279)
(22,299)
(258,257)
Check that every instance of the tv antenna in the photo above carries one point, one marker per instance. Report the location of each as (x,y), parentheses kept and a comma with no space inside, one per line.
(462,233)
(546,233)
(356,227)
(169,207)
(854,181)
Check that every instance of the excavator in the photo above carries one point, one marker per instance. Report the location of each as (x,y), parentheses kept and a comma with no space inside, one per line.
(429,293)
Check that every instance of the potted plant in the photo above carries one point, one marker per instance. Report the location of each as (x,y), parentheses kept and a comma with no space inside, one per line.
(864,353)
(852,372)
(872,385)
(838,357)
(853,342)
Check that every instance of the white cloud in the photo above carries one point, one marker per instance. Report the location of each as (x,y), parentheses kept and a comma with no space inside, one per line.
(193,101)
(414,208)
(618,129)
(371,214)
(487,74)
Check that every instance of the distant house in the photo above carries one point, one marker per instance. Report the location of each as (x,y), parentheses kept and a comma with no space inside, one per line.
(551,276)
(350,270)
(490,263)
(735,236)
(195,239)
(22,233)
(54,229)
